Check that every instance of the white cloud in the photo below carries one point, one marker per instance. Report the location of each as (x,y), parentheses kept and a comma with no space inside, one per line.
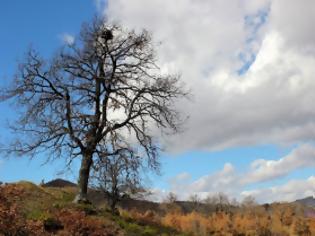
(232,182)
(68,38)
(225,180)
(293,20)
(204,40)
(290,191)
(157,195)
(263,170)
(271,102)
(180,179)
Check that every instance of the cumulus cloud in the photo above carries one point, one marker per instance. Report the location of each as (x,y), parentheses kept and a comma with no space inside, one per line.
(157,195)
(180,179)
(263,170)
(225,180)
(295,27)
(290,191)
(250,67)
(232,182)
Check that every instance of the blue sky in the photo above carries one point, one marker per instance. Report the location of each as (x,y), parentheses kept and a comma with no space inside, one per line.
(244,109)
(42,25)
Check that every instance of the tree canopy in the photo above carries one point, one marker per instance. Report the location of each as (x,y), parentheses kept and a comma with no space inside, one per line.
(90,95)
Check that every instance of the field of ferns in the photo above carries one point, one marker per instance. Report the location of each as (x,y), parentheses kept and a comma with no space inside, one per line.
(29,209)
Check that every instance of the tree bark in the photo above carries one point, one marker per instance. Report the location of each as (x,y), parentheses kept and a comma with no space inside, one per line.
(113,203)
(84,175)
(113,208)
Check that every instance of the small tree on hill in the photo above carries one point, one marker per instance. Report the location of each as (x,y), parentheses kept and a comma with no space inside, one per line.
(249,201)
(102,87)
(118,175)
(171,198)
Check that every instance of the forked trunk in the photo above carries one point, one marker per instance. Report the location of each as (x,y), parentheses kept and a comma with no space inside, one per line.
(84,175)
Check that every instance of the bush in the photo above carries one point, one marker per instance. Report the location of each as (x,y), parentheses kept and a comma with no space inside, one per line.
(301,228)
(52,225)
(11,221)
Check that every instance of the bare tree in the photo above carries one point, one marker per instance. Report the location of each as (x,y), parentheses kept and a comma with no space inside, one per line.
(118,175)
(219,201)
(249,201)
(102,87)
(195,200)
(171,198)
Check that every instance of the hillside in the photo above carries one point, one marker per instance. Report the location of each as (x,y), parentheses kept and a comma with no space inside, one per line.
(308,201)
(60,183)
(29,209)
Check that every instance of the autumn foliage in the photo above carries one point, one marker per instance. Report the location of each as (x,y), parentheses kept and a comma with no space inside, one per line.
(28,209)
(63,222)
(275,219)
(11,223)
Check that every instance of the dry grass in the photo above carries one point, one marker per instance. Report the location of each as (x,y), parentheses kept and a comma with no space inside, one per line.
(28,209)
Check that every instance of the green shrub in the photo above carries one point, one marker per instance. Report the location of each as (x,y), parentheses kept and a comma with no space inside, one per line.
(88,209)
(37,214)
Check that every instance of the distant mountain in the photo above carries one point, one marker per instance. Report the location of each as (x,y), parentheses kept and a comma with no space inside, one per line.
(59,183)
(308,201)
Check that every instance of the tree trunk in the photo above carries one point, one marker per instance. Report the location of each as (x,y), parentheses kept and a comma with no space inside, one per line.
(84,175)
(113,204)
